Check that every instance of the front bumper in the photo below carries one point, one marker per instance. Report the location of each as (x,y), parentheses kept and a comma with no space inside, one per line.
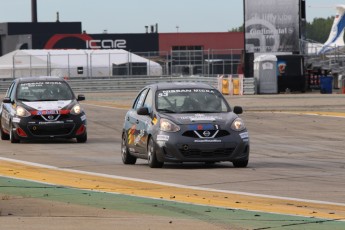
(172,147)
(69,126)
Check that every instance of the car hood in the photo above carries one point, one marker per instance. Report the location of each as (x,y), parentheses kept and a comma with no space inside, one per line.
(185,119)
(47,105)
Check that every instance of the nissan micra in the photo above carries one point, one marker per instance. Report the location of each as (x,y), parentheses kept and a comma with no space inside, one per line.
(184,122)
(41,108)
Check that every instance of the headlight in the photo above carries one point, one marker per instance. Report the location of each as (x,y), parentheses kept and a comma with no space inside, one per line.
(238,125)
(22,112)
(168,126)
(76,110)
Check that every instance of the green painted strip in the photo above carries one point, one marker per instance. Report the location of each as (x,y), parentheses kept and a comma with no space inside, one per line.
(217,216)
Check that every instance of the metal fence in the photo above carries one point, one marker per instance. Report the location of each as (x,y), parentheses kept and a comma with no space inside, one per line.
(107,64)
(197,62)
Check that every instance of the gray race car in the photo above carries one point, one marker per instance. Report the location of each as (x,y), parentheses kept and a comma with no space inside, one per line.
(183,122)
(45,107)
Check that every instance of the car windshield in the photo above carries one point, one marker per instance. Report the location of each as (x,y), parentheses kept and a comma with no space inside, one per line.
(190,101)
(44,91)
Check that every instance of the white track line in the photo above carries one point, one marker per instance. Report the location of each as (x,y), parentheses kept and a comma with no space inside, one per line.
(169,184)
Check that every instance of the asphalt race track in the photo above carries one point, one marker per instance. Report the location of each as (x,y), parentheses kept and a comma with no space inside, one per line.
(295,177)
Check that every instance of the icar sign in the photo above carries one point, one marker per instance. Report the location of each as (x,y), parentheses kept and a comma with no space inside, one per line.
(106,44)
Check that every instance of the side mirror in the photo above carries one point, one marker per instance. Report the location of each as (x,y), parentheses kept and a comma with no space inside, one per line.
(238,110)
(7,100)
(81,97)
(144,111)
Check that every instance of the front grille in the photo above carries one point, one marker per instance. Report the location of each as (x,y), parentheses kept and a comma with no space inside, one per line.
(202,153)
(191,133)
(51,130)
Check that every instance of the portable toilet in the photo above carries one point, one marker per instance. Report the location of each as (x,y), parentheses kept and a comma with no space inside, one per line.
(265,73)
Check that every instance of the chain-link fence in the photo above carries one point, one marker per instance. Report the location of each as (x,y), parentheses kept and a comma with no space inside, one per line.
(198,62)
(112,63)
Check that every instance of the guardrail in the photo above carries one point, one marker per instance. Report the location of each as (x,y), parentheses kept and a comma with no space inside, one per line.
(130,84)
(4,84)
(120,84)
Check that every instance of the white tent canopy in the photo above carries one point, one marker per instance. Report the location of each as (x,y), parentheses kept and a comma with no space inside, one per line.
(74,63)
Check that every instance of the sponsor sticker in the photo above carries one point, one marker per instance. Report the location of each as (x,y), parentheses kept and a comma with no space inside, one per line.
(16,120)
(154,121)
(207,141)
(50,122)
(202,127)
(161,144)
(244,135)
(138,138)
(47,105)
(132,150)
(162,138)
(48,112)
(165,93)
(131,135)
(83,118)
(201,117)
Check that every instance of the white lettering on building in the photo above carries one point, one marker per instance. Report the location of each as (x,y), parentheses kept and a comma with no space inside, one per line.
(106,44)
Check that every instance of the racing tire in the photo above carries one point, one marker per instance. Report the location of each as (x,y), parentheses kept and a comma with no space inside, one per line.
(82,138)
(152,157)
(12,137)
(4,136)
(127,158)
(240,164)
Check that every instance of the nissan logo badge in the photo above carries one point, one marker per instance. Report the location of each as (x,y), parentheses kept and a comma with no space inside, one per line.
(206,133)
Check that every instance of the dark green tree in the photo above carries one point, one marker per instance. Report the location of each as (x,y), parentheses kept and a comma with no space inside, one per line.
(318,30)
(238,29)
